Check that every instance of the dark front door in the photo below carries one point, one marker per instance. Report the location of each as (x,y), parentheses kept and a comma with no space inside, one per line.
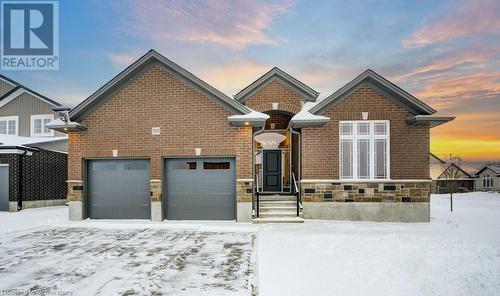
(272,170)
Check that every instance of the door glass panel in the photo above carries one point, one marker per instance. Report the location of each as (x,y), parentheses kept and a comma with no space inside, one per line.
(380,128)
(363,128)
(380,159)
(216,165)
(346,157)
(364,159)
(346,128)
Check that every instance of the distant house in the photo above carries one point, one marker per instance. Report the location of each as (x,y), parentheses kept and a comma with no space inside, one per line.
(488,178)
(465,181)
(33,158)
(436,169)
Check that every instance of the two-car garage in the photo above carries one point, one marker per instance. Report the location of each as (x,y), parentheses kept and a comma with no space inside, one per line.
(194,189)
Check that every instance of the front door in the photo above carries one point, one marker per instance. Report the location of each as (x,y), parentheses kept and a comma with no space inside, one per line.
(272,170)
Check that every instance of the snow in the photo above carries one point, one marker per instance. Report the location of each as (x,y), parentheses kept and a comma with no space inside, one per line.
(305,115)
(11,140)
(253,115)
(457,253)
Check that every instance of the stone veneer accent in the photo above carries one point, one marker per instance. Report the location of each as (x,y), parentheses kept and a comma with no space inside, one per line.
(75,190)
(156,190)
(244,190)
(393,191)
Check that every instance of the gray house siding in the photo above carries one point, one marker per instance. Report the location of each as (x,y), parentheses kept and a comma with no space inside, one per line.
(24,106)
(479,181)
(5,87)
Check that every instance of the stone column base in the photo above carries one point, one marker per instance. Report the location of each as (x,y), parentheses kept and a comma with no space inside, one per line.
(156,211)
(76,210)
(244,212)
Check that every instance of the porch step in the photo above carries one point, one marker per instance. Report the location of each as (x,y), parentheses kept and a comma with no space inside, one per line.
(278,208)
(276,214)
(262,220)
(278,203)
(277,198)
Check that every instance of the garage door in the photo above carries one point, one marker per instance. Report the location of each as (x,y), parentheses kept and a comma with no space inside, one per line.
(119,189)
(200,189)
(4,187)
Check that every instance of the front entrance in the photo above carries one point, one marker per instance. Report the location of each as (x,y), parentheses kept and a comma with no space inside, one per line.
(272,170)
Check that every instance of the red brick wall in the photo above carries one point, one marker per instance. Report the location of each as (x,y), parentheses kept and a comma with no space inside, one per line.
(280,120)
(188,119)
(275,92)
(409,145)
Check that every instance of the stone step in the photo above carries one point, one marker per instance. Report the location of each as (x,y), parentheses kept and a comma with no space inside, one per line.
(262,220)
(277,198)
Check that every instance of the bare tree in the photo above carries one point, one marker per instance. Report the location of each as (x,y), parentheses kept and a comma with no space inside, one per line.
(451,175)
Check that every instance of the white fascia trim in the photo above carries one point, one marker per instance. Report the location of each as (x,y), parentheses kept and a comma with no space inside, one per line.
(7,118)
(12,151)
(366,181)
(5,80)
(4,164)
(20,91)
(75,181)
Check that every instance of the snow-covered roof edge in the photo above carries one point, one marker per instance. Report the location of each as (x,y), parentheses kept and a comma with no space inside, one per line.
(307,119)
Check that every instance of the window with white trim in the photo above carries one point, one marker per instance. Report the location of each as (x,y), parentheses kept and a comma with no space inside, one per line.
(364,149)
(9,125)
(39,125)
(487,181)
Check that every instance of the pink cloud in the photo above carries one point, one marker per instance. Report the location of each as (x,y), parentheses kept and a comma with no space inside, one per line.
(236,24)
(469,18)
(123,59)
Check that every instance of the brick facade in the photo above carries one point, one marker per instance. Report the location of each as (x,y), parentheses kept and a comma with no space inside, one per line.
(188,119)
(409,144)
(275,92)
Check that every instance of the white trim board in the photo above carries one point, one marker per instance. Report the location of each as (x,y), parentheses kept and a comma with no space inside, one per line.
(19,92)
(365,181)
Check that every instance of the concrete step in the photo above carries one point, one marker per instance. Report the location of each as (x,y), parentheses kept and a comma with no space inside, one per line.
(262,220)
(279,203)
(277,198)
(278,208)
(270,214)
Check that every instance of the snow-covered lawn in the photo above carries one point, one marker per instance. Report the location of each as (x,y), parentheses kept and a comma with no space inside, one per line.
(456,254)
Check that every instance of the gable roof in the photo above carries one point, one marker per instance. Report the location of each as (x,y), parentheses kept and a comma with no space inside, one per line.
(466,175)
(20,89)
(105,92)
(391,90)
(280,75)
(437,158)
(494,168)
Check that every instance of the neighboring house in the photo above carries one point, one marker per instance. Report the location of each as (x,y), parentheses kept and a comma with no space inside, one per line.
(33,158)
(436,168)
(464,182)
(488,178)
(156,142)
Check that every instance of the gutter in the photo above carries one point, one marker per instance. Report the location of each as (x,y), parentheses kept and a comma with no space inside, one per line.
(20,181)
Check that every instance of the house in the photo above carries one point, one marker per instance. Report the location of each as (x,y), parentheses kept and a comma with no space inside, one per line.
(436,168)
(488,178)
(463,181)
(156,142)
(33,158)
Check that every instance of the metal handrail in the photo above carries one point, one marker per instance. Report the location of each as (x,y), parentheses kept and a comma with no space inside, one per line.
(297,193)
(257,194)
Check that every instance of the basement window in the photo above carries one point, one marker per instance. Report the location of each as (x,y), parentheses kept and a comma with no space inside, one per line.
(39,125)
(364,150)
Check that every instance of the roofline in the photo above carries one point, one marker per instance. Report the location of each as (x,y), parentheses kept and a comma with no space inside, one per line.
(485,168)
(439,159)
(455,165)
(27,89)
(410,102)
(121,79)
(308,93)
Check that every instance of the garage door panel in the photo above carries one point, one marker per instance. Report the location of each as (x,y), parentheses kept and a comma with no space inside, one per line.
(200,189)
(119,189)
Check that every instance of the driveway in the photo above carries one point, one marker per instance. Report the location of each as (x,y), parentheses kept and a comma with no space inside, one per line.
(93,261)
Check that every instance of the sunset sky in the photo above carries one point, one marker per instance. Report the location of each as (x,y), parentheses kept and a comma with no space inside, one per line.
(446,53)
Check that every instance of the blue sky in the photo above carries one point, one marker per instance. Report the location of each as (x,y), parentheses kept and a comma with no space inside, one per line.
(444,52)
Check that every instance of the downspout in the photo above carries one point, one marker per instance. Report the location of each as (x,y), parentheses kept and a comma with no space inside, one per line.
(20,181)
(299,150)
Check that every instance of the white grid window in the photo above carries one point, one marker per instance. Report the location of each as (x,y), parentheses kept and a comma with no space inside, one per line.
(9,125)
(39,125)
(487,181)
(364,149)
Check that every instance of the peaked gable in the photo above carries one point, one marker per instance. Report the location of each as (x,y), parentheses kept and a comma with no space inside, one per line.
(123,78)
(18,89)
(460,175)
(374,80)
(272,75)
